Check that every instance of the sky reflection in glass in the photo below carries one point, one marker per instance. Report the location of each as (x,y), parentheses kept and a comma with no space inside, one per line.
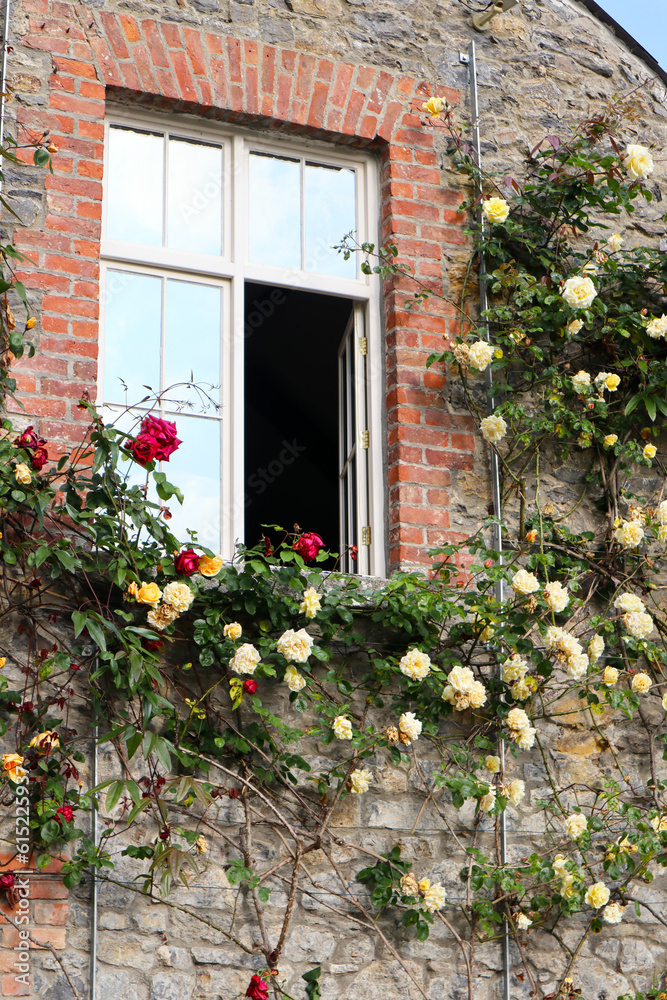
(274,223)
(330,215)
(135,186)
(192,339)
(131,335)
(195,469)
(194,198)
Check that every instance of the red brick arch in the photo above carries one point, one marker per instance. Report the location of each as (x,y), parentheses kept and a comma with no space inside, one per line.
(96,55)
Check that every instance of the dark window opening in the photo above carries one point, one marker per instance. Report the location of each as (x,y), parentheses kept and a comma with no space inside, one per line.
(292,422)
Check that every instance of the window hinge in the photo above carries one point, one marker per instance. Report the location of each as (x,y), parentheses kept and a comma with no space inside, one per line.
(366,535)
(363,345)
(365,439)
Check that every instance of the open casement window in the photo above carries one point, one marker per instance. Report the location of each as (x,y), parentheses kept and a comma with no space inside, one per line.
(218,270)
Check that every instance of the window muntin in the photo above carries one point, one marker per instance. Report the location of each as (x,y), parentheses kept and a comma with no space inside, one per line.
(352,198)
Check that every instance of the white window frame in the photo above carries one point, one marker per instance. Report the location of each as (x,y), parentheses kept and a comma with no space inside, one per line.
(233,270)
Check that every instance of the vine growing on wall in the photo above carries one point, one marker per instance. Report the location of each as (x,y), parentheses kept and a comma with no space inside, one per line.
(260,698)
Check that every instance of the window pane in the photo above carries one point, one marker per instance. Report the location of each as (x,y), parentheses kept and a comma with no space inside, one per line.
(274,222)
(133,304)
(135,186)
(195,469)
(330,215)
(192,341)
(194,200)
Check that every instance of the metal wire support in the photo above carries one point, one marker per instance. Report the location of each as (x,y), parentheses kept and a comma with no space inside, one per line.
(3,78)
(93,886)
(495,469)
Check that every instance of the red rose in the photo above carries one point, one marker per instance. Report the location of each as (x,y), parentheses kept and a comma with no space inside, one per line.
(28,439)
(186,562)
(250,686)
(66,813)
(7,880)
(165,832)
(354,552)
(268,548)
(39,458)
(144,449)
(308,545)
(258,989)
(152,645)
(163,432)
(233,793)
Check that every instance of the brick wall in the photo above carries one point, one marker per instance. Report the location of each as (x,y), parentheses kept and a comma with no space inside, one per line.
(96,54)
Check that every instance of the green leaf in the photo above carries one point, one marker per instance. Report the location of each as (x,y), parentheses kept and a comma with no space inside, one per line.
(113,794)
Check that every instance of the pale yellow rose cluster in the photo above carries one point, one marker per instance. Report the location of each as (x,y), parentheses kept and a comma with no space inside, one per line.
(576,825)
(295,646)
(294,680)
(245,659)
(574,326)
(496,210)
(232,631)
(409,727)
(494,428)
(628,602)
(515,791)
(638,624)
(492,763)
(629,534)
(360,781)
(524,583)
(610,676)
(176,598)
(615,242)
(657,327)
(579,292)
(565,878)
(608,381)
(488,801)
(514,671)
(641,683)
(581,381)
(22,474)
(480,355)
(434,895)
(520,730)
(556,596)
(462,690)
(415,665)
(659,823)
(311,603)
(342,728)
(523,922)
(568,649)
(595,648)
(638,162)
(597,895)
(613,913)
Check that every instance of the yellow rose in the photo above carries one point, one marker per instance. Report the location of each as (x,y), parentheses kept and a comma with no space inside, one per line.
(638,162)
(3,661)
(149,593)
(11,763)
(610,676)
(610,440)
(30,324)
(597,895)
(46,741)
(22,474)
(493,428)
(232,631)
(495,210)
(210,565)
(650,451)
(178,595)
(132,590)
(579,293)
(434,106)
(612,382)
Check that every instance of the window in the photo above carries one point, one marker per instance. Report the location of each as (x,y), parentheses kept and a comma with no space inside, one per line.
(218,269)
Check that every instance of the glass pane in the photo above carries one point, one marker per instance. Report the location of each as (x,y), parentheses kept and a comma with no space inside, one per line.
(192,342)
(135,186)
(330,215)
(195,469)
(274,218)
(133,310)
(194,197)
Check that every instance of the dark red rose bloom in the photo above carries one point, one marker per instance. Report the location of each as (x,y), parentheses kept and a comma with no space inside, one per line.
(144,449)
(165,832)
(28,439)
(268,547)
(152,645)
(250,686)
(258,989)
(163,432)
(66,813)
(233,793)
(186,562)
(354,552)
(39,458)
(7,880)
(308,545)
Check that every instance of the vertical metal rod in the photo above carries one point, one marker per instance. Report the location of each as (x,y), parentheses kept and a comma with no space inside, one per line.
(495,469)
(3,80)
(93,889)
